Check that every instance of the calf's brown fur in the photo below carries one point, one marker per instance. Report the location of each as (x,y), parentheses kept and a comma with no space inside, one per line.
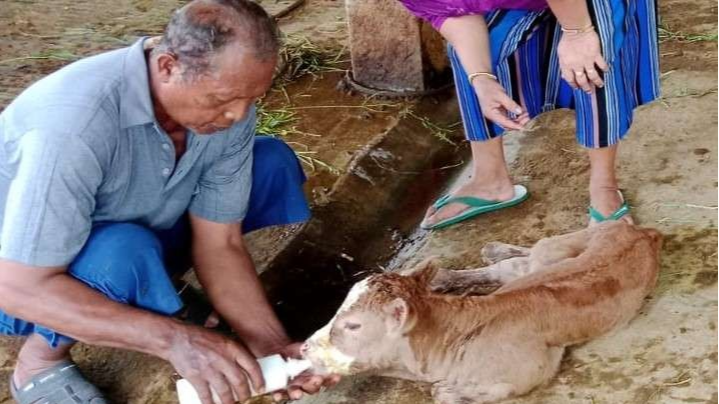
(429,325)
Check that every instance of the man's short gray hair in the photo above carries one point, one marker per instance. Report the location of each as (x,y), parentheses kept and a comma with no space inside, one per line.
(203,28)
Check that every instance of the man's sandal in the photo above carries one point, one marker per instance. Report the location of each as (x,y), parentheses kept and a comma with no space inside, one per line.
(475,206)
(596,217)
(61,384)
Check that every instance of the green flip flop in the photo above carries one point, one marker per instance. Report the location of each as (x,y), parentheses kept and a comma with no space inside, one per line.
(616,215)
(476,206)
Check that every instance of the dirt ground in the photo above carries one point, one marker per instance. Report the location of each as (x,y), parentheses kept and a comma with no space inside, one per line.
(667,169)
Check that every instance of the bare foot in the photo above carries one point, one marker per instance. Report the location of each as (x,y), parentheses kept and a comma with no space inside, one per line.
(492,192)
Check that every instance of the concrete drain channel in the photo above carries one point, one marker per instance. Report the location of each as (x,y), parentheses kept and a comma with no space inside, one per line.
(371,211)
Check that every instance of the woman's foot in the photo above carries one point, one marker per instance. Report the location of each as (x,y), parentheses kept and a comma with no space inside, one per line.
(497,190)
(607,200)
(604,195)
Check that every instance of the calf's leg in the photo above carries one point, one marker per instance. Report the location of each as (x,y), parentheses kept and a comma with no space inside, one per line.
(531,365)
(481,281)
(454,394)
(494,252)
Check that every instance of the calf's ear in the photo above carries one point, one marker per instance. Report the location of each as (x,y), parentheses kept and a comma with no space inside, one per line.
(399,317)
(425,271)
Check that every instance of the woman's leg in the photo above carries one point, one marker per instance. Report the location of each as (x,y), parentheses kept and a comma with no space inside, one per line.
(490,179)
(603,185)
(523,81)
(605,116)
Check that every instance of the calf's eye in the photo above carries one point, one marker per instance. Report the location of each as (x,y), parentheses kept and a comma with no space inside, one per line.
(352,326)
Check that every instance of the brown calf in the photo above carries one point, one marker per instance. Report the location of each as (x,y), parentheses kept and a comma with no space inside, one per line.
(429,325)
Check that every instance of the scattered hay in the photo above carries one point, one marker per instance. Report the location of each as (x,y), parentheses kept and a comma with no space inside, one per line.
(441,132)
(282,122)
(307,158)
(376,107)
(682,379)
(666,34)
(301,56)
(276,122)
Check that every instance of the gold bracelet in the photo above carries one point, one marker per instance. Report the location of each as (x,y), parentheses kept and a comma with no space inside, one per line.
(574,31)
(474,75)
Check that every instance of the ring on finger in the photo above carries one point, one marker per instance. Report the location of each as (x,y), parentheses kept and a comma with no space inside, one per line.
(591,71)
(579,74)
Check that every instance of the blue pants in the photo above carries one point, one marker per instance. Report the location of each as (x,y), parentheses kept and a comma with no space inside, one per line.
(132,264)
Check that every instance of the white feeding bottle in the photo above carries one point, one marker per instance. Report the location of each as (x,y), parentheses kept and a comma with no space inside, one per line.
(276,371)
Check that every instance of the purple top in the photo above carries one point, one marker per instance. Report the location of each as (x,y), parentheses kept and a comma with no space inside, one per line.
(437,11)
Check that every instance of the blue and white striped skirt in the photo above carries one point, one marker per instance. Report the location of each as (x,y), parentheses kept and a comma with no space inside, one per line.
(524,57)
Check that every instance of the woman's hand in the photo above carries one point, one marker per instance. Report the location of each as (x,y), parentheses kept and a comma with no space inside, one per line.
(579,57)
(496,104)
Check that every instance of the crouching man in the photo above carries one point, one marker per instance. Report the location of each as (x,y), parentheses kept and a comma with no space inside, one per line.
(114,169)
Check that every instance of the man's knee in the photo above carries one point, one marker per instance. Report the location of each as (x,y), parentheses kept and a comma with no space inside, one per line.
(277,177)
(271,154)
(117,244)
(125,262)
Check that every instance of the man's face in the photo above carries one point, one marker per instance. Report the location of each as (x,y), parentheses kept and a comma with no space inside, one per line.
(213,101)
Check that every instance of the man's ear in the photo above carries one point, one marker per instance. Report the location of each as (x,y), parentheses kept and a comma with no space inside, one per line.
(165,64)
(400,319)
(425,271)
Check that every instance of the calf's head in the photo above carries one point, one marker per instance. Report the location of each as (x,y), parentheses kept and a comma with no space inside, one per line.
(372,323)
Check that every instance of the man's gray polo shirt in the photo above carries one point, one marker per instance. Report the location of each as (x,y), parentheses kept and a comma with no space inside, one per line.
(82,146)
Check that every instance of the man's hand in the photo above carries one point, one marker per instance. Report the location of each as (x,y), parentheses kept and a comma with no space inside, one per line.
(211,361)
(305,383)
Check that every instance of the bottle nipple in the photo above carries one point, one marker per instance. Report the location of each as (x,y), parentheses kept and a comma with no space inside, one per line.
(296,366)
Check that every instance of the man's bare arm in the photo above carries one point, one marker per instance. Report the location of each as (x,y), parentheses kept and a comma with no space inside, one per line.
(52,298)
(225,269)
(227,273)
(49,296)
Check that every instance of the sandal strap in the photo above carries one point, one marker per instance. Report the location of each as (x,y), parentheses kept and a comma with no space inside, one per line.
(465,200)
(440,201)
(61,384)
(616,215)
